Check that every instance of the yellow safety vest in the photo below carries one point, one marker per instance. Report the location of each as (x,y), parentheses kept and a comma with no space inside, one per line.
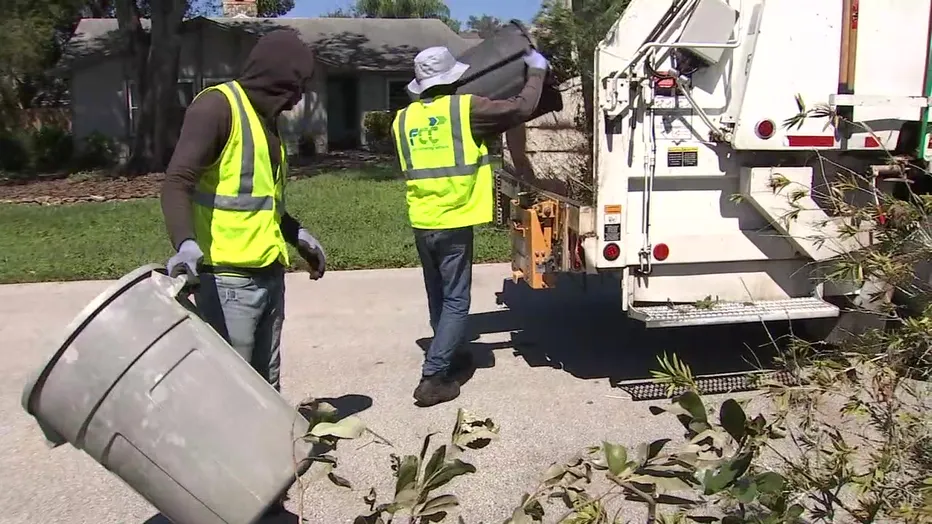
(449,177)
(239,202)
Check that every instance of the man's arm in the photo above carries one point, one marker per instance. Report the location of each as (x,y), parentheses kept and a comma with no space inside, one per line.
(204,134)
(494,117)
(290,227)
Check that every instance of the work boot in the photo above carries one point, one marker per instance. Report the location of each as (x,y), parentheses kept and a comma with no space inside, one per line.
(436,389)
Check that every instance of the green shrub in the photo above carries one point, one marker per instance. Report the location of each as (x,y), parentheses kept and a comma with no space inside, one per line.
(378,129)
(14,152)
(52,149)
(97,151)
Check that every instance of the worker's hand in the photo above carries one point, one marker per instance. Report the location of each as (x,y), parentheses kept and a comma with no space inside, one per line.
(187,258)
(535,60)
(311,251)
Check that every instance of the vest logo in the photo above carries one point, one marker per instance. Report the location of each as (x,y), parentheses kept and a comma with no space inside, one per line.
(425,135)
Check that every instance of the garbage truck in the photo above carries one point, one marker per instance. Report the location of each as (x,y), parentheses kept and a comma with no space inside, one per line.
(707,207)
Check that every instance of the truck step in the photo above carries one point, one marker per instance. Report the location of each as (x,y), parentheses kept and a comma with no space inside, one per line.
(678,315)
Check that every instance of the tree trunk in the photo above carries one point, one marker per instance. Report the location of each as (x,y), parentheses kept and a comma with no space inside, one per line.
(586,73)
(154,67)
(164,58)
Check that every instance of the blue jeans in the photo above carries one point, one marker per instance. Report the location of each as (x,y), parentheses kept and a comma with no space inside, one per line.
(446,260)
(248,312)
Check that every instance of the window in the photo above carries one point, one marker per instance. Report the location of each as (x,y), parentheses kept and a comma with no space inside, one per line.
(398,96)
(184,91)
(132,105)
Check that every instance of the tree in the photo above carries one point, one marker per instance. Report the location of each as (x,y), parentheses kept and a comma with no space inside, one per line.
(485,25)
(399,9)
(31,36)
(107,8)
(153,64)
(154,58)
(274,8)
(568,38)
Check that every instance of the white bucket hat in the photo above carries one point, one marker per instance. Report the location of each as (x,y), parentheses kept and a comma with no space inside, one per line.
(435,66)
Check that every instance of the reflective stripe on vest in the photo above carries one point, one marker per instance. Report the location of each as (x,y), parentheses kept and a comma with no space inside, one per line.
(239,200)
(460,167)
(244,200)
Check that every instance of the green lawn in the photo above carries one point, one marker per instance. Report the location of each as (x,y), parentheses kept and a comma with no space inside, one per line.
(359,217)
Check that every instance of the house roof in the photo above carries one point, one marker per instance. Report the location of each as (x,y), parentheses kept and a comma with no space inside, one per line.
(385,44)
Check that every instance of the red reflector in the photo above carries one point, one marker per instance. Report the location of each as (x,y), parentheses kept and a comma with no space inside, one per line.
(611,251)
(811,141)
(765,129)
(661,252)
(666,83)
(871,142)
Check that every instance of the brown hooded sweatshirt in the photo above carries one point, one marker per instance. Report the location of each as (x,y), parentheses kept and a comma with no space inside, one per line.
(274,76)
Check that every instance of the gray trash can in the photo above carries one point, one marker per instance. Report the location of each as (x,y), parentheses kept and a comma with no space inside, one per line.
(156,396)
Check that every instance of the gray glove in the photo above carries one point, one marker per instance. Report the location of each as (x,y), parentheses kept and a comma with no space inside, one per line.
(311,251)
(535,60)
(185,260)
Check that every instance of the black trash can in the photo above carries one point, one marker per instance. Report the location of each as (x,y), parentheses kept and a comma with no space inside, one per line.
(497,69)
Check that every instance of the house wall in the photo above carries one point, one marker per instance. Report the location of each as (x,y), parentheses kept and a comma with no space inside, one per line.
(371,94)
(374,94)
(100,94)
(100,91)
(98,102)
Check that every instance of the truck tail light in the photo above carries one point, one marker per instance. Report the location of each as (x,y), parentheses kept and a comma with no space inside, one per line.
(661,252)
(611,251)
(765,129)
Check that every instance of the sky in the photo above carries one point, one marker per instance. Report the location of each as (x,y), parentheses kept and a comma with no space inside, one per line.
(460,10)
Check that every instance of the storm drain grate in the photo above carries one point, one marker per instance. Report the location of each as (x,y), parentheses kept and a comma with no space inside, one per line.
(712,384)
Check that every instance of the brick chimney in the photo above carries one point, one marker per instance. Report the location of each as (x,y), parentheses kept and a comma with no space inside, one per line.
(240,9)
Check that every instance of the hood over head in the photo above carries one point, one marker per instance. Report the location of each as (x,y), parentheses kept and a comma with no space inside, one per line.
(277,72)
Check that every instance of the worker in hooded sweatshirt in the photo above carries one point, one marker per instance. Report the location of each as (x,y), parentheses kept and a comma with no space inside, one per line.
(441,140)
(223,200)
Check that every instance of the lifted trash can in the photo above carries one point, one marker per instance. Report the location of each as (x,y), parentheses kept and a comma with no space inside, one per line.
(151,392)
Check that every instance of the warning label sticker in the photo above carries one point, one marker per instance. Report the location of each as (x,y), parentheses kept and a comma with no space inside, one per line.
(684,156)
(612,232)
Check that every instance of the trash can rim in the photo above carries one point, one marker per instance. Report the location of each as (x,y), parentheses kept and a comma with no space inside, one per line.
(80,320)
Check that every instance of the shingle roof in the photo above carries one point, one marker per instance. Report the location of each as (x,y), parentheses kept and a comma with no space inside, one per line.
(359,43)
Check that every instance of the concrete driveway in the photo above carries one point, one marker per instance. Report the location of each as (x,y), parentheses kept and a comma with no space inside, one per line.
(548,360)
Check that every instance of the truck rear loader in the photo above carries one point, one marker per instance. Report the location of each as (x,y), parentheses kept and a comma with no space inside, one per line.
(701,200)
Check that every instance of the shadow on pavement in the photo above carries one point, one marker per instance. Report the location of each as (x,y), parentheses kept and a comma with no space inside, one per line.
(483,355)
(579,327)
(349,404)
(285,517)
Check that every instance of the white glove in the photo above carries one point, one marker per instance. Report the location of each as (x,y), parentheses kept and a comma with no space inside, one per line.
(187,258)
(535,60)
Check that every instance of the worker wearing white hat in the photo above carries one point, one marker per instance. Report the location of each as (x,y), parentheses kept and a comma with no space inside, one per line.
(441,140)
